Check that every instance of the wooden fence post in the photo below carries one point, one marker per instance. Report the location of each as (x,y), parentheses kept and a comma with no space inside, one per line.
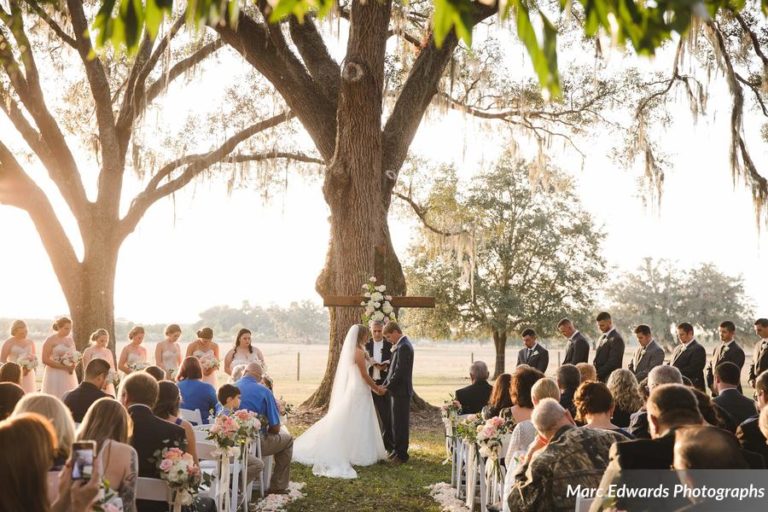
(298,366)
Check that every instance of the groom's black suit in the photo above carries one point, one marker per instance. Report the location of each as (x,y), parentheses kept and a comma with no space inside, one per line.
(399,384)
(382,403)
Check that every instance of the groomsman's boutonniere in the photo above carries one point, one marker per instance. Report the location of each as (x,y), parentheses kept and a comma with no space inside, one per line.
(642,353)
(535,353)
(727,347)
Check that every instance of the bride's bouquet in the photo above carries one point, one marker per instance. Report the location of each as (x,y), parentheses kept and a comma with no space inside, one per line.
(209,362)
(113,377)
(69,358)
(28,362)
(184,477)
(378,306)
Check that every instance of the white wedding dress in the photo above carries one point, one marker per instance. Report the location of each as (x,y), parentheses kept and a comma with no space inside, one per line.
(349,433)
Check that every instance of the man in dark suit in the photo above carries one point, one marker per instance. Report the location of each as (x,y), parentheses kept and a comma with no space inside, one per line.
(568,380)
(748,433)
(533,354)
(475,396)
(577,350)
(662,374)
(80,399)
(689,356)
(648,355)
(399,386)
(760,354)
(380,351)
(609,354)
(728,350)
(727,376)
(139,393)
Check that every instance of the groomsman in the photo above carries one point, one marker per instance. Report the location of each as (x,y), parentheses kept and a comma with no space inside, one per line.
(380,351)
(727,351)
(609,354)
(760,355)
(648,355)
(578,345)
(689,356)
(532,353)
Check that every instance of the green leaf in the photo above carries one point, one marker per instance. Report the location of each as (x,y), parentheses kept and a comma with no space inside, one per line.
(544,59)
(283,9)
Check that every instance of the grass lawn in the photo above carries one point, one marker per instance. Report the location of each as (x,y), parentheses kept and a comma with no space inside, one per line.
(382,486)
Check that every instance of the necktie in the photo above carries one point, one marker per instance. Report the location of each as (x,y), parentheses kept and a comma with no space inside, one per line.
(527,355)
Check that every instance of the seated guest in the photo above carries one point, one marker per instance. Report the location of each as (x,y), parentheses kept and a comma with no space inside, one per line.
(638,423)
(257,398)
(10,394)
(11,372)
(54,409)
(594,407)
(475,396)
(544,388)
(167,408)
(564,456)
(138,393)
(568,380)
(764,422)
(587,371)
(533,354)
(195,393)
(500,398)
(30,438)
(520,390)
(727,378)
(80,399)
(748,433)
(155,371)
(107,423)
(713,413)
(707,447)
(238,372)
(623,386)
(229,398)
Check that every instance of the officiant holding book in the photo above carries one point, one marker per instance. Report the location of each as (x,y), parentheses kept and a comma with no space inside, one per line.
(379,350)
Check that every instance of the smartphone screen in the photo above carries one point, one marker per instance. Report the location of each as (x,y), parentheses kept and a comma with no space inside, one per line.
(82,454)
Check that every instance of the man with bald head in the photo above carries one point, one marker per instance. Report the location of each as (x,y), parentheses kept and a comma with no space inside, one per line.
(275,441)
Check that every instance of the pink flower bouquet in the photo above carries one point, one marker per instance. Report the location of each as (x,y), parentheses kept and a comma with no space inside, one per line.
(178,468)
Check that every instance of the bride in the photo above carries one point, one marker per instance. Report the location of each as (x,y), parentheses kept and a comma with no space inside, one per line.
(349,433)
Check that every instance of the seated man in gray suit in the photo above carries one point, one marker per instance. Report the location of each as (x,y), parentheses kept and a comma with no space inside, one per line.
(647,356)
(533,354)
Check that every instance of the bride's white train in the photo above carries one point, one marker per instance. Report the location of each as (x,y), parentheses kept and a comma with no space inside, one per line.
(349,433)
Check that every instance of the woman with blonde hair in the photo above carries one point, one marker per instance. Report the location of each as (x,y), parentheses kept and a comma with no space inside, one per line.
(99,350)
(168,352)
(133,357)
(544,388)
(626,396)
(18,346)
(108,424)
(59,373)
(54,409)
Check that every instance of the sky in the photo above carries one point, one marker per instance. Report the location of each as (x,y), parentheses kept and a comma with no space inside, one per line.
(208,247)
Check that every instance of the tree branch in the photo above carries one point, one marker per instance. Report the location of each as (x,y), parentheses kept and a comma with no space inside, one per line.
(181,67)
(195,164)
(421,213)
(314,53)
(303,96)
(19,190)
(273,155)
(35,6)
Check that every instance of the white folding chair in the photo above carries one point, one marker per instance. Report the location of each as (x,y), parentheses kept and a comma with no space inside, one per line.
(153,489)
(193,417)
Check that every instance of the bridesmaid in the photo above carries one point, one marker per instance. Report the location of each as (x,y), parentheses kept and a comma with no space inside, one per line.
(242,353)
(168,352)
(58,378)
(204,346)
(133,353)
(99,350)
(16,346)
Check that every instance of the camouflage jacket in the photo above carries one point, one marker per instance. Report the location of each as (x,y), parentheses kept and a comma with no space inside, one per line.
(572,462)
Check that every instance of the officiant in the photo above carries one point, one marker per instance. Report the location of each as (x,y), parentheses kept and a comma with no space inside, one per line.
(380,352)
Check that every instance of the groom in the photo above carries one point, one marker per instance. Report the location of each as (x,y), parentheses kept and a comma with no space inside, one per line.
(399,384)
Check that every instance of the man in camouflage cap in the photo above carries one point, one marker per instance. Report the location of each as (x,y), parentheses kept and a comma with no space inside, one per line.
(562,460)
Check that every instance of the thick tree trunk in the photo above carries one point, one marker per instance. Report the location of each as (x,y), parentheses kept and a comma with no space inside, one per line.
(94,307)
(500,343)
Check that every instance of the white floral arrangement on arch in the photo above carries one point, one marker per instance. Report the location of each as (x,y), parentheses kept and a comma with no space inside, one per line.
(377,306)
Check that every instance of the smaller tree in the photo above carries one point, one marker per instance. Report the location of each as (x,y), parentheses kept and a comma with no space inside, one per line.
(515,251)
(661,295)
